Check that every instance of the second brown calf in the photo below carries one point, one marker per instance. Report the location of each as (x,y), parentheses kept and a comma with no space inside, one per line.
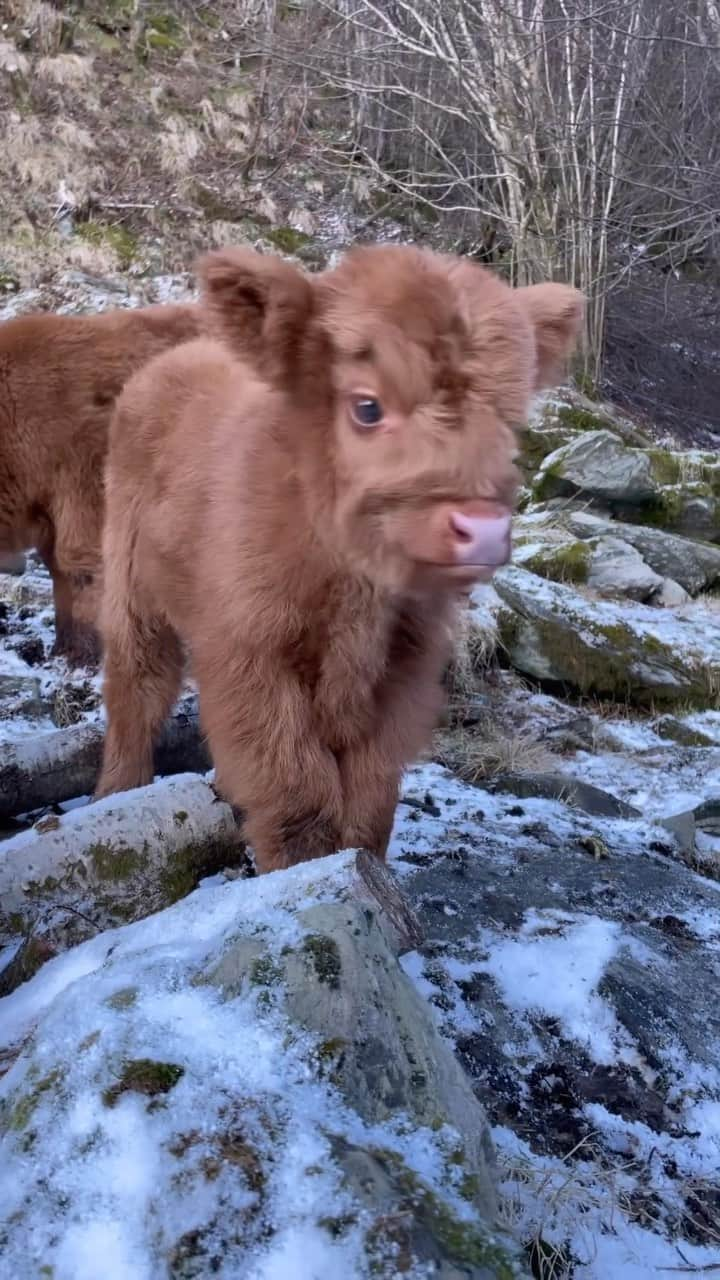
(307,539)
(59,379)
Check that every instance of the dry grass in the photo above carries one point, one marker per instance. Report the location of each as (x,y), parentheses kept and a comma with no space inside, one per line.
(475,648)
(52,254)
(67,70)
(43,156)
(12,60)
(43,23)
(489,750)
(180,144)
(72,702)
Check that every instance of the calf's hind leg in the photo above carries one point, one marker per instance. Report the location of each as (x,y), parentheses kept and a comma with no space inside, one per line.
(143,673)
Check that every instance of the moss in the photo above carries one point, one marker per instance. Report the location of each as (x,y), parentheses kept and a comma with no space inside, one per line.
(125,998)
(186,866)
(664,466)
(296,243)
(606,668)
(566,563)
(583,419)
(670,508)
(25,1106)
(419,1211)
(536,445)
(265,972)
(212,205)
(325,957)
(110,235)
(143,1075)
(115,863)
(551,483)
(180,818)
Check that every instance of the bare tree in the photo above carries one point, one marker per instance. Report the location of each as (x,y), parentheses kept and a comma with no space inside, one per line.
(560,137)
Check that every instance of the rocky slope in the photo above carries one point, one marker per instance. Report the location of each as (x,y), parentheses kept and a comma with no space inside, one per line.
(206,1074)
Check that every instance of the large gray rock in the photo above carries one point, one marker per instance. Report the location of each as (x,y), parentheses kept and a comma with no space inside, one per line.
(244,1085)
(552,632)
(599,465)
(678,492)
(694,565)
(571,959)
(616,571)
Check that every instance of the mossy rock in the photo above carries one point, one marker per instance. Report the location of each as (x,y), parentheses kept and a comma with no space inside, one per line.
(553,634)
(144,1076)
(568,562)
(581,414)
(537,443)
(689,509)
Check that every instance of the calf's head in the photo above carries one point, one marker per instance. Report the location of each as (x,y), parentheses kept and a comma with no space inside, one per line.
(407,372)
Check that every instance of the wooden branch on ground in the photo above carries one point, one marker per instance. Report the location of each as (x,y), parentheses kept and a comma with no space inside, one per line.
(49,768)
(117,860)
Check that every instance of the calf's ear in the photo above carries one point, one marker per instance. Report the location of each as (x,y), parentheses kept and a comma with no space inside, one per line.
(257,303)
(556,312)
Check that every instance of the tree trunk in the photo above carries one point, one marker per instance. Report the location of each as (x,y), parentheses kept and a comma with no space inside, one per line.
(113,861)
(49,768)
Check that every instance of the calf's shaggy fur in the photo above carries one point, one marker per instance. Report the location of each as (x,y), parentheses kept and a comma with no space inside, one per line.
(59,379)
(305,532)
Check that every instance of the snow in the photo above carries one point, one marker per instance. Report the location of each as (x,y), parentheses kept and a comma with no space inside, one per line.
(658,783)
(126,1181)
(554,966)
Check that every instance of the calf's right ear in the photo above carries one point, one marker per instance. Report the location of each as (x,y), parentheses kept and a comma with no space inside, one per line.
(257,303)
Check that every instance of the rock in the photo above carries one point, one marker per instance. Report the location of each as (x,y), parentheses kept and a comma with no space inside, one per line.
(617,570)
(707,816)
(682,827)
(12,562)
(648,486)
(694,565)
(670,594)
(611,567)
(560,786)
(676,730)
(598,465)
(551,632)
(271,1085)
(575,986)
(21,695)
(692,510)
(118,859)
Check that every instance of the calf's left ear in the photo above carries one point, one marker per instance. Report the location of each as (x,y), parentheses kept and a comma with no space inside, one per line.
(556,312)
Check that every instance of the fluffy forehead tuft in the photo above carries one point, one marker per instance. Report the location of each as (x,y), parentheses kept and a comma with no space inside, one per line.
(381,285)
(430,323)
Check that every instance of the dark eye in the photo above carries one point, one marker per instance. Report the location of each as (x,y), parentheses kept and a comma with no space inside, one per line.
(366,411)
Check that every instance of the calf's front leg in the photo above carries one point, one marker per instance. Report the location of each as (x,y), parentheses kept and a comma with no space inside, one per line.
(268,759)
(409,704)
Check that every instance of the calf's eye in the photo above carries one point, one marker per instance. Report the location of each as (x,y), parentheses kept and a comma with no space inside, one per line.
(366,412)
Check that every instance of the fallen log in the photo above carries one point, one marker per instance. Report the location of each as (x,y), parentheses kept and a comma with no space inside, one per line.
(49,768)
(117,860)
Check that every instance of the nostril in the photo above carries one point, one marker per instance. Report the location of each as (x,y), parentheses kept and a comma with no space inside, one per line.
(464,529)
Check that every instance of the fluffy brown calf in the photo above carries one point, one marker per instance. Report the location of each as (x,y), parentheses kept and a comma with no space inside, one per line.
(307,538)
(59,378)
